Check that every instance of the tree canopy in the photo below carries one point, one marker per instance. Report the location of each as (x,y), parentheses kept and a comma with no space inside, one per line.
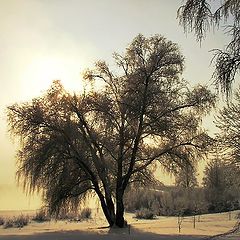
(221,185)
(187,177)
(200,16)
(100,141)
(228,122)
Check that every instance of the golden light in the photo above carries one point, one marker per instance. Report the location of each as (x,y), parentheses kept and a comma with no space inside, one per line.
(40,73)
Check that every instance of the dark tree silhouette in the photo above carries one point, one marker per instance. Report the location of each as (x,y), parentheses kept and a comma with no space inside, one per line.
(101,141)
(228,122)
(221,186)
(200,16)
(186,177)
(214,181)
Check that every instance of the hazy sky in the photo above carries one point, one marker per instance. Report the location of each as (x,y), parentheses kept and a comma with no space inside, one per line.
(42,40)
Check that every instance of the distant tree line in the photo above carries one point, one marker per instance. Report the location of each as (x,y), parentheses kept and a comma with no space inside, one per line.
(219,193)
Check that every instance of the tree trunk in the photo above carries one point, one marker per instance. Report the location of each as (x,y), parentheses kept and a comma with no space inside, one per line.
(107,207)
(111,210)
(119,209)
(107,212)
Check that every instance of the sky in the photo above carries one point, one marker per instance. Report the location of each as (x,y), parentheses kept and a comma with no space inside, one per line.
(43,40)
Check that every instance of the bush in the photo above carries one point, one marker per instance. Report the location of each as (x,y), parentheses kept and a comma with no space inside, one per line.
(17,222)
(142,198)
(9,223)
(144,214)
(21,221)
(1,221)
(166,201)
(41,216)
(86,213)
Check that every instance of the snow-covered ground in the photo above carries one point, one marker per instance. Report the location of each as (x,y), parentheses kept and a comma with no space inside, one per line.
(159,228)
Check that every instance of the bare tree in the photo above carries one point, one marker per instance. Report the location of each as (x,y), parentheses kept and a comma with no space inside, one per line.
(200,16)
(101,141)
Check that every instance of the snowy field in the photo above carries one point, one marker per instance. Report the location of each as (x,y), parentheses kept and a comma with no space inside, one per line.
(95,228)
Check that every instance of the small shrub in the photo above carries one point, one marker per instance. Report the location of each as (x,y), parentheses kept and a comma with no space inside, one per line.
(86,213)
(21,221)
(41,216)
(2,221)
(144,214)
(17,222)
(9,223)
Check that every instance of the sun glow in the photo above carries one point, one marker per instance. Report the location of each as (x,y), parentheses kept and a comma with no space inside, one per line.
(40,74)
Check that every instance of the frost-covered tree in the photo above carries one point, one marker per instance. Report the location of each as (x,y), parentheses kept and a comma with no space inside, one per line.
(228,122)
(221,186)
(186,177)
(200,16)
(103,140)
